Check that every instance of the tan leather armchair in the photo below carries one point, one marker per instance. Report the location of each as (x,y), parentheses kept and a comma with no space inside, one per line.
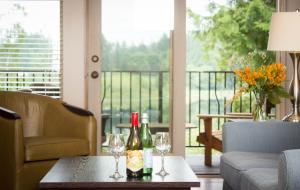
(35,131)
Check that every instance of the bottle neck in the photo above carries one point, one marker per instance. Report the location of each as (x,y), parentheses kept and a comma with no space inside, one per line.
(145,121)
(134,119)
(144,126)
(134,127)
(135,130)
(145,130)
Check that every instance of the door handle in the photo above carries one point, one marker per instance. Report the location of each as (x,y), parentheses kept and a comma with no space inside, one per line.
(94,74)
(95,59)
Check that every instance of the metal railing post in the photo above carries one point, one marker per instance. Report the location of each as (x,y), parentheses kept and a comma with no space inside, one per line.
(160,97)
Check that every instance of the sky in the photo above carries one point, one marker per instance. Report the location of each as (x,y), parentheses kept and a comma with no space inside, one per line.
(136,21)
(132,21)
(144,21)
(42,16)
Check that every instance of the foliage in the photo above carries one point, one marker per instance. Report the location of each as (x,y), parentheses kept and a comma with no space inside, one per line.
(235,30)
(125,57)
(265,82)
(21,46)
(255,59)
(23,49)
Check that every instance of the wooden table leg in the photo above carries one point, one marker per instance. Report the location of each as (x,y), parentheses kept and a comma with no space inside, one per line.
(208,145)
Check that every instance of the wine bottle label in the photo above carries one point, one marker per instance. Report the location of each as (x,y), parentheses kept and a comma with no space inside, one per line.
(148,158)
(134,160)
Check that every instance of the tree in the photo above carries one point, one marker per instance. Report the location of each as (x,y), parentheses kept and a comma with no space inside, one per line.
(18,47)
(125,57)
(25,56)
(235,30)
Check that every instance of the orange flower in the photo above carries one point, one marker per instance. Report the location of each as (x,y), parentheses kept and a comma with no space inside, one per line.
(247,70)
(272,75)
(262,80)
(275,74)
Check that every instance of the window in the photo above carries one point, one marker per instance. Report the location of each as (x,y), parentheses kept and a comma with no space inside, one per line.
(30,46)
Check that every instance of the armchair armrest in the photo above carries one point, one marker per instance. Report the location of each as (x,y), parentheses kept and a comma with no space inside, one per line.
(11,146)
(77,110)
(289,170)
(64,120)
(270,136)
(7,114)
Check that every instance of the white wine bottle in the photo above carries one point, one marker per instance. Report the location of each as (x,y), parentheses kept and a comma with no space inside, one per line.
(146,138)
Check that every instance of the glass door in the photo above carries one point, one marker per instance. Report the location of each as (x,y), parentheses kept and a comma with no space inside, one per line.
(220,40)
(135,63)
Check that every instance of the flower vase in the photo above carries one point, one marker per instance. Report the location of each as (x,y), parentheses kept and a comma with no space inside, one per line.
(258,112)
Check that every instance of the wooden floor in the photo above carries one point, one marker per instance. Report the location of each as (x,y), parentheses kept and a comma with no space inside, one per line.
(197,164)
(210,183)
(209,177)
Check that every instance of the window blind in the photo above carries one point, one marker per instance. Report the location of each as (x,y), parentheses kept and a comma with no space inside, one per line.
(30,48)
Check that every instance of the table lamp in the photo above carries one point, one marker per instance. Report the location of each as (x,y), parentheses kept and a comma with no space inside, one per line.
(284,35)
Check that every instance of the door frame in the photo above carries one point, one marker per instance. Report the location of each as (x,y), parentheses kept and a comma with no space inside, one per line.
(93,60)
(178,83)
(177,68)
(285,106)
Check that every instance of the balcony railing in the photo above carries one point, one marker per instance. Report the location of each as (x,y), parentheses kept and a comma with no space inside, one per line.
(146,91)
(45,82)
(206,92)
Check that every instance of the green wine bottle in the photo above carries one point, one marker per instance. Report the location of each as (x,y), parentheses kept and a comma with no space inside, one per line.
(134,150)
(145,136)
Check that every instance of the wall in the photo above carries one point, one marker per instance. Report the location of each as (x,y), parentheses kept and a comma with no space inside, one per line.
(74,43)
(292,5)
(286,106)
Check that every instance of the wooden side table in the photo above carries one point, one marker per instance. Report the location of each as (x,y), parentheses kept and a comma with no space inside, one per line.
(213,140)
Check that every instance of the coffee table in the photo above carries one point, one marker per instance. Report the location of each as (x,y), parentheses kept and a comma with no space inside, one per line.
(92,172)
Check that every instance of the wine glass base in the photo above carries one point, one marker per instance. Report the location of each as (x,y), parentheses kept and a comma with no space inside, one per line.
(162,173)
(116,175)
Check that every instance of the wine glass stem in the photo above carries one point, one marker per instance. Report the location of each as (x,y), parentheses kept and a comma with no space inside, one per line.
(162,161)
(117,164)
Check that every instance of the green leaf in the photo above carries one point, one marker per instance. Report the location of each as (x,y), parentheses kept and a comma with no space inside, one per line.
(273,98)
(280,91)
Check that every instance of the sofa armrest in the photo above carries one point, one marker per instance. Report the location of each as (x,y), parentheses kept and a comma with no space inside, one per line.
(269,136)
(64,120)
(11,146)
(289,170)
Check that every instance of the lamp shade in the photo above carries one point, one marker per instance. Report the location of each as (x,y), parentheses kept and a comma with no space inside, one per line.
(284,34)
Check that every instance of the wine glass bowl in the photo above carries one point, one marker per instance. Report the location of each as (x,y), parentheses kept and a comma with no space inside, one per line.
(116,146)
(162,145)
(163,148)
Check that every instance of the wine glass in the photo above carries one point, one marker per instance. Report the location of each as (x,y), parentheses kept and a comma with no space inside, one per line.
(163,146)
(116,146)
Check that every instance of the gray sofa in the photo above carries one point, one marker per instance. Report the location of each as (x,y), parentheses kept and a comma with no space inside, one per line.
(261,156)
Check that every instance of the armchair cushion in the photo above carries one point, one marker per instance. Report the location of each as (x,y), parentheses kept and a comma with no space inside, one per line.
(48,148)
(234,163)
(260,178)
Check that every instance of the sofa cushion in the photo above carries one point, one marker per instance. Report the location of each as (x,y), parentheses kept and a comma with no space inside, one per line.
(48,148)
(260,179)
(233,163)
